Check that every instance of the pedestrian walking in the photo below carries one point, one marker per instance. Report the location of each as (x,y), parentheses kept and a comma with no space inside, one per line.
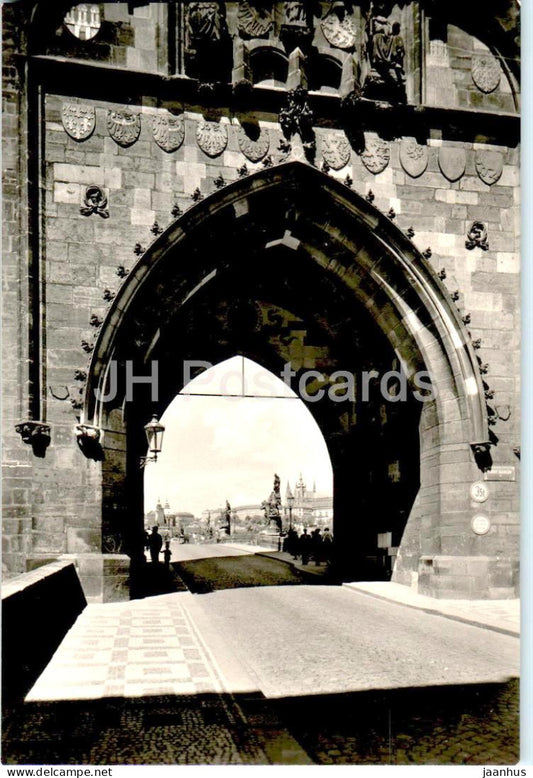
(316,545)
(155,541)
(305,546)
(292,543)
(327,545)
(167,553)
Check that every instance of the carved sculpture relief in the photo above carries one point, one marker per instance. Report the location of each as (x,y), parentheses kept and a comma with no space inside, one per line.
(295,29)
(204,23)
(206,39)
(477,237)
(414,157)
(336,150)
(338,28)
(253,20)
(212,138)
(254,150)
(95,201)
(78,120)
(489,166)
(36,434)
(124,126)
(385,52)
(376,155)
(168,131)
(486,73)
(296,118)
(452,162)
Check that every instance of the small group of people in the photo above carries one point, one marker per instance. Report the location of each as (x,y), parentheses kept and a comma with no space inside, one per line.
(316,545)
(154,544)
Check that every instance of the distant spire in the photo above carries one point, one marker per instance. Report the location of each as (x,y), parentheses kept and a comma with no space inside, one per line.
(314,485)
(288,492)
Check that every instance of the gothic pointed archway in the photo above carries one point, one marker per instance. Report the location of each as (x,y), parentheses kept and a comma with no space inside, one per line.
(290,266)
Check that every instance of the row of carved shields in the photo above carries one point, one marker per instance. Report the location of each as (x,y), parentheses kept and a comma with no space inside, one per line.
(168,131)
(212,137)
(414,157)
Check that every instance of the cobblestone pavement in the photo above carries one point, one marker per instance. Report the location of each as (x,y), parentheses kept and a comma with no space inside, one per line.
(236,572)
(477,724)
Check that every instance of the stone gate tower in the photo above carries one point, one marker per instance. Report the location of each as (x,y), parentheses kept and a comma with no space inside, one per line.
(330,184)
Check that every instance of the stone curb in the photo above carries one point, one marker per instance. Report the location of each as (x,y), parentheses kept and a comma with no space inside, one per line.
(435,612)
(291,563)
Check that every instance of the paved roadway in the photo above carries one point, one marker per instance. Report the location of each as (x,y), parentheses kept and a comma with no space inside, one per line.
(318,674)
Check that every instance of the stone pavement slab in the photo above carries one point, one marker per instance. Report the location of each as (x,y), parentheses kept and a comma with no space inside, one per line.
(499,615)
(129,649)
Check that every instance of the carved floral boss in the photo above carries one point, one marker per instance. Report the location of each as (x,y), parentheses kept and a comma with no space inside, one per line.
(95,201)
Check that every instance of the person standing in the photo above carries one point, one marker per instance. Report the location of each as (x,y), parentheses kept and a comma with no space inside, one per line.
(327,545)
(155,541)
(316,545)
(305,546)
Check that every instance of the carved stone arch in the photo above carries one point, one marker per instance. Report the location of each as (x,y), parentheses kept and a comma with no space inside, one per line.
(268,61)
(294,216)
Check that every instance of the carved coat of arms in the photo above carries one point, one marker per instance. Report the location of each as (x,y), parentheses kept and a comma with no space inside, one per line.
(414,157)
(339,32)
(336,150)
(489,166)
(168,131)
(486,73)
(78,120)
(124,126)
(254,22)
(212,138)
(452,162)
(254,150)
(376,155)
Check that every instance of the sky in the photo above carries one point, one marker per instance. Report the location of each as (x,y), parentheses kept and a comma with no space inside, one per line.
(228,448)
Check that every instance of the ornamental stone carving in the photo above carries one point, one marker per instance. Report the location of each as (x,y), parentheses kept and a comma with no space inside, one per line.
(168,131)
(296,118)
(477,237)
(376,155)
(414,157)
(253,20)
(88,439)
(124,126)
(295,29)
(489,166)
(78,120)
(486,73)
(204,23)
(452,162)
(95,201)
(337,27)
(336,150)
(386,53)
(254,150)
(36,434)
(212,138)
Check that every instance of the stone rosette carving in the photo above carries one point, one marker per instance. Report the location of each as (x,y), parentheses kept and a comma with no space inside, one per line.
(78,120)
(489,166)
(338,29)
(254,150)
(254,21)
(376,155)
(124,126)
(414,157)
(452,162)
(336,150)
(486,73)
(94,201)
(36,434)
(477,236)
(168,131)
(212,138)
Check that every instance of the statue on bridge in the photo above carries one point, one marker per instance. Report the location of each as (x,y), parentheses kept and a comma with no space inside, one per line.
(272,506)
